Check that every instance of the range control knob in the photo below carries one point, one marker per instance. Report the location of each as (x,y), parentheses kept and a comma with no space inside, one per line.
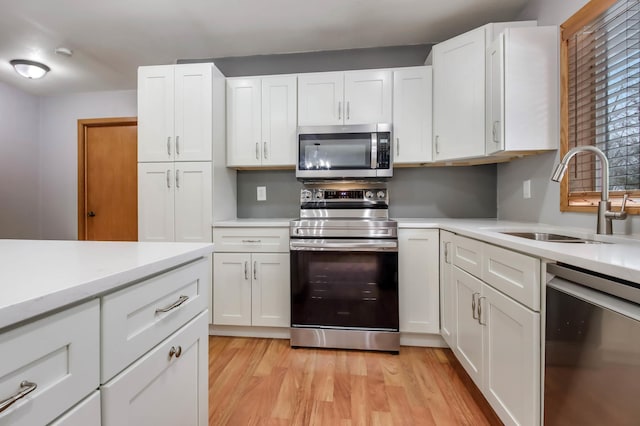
(368,195)
(381,194)
(318,195)
(305,195)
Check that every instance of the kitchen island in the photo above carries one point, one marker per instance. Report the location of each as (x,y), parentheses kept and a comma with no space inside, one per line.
(85,326)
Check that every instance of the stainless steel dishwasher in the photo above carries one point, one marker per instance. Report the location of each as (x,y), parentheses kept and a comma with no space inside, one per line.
(592,349)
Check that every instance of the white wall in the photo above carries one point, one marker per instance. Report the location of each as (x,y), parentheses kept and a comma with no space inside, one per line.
(18,163)
(544,206)
(58,141)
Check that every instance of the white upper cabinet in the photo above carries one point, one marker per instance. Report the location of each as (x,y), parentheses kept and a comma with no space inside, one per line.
(174,112)
(412,115)
(261,121)
(351,97)
(522,90)
(459,103)
(458,96)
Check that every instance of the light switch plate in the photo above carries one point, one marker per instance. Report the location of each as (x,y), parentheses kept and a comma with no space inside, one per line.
(262,193)
(526,189)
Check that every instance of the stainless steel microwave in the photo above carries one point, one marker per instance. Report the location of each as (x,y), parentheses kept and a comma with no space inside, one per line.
(342,152)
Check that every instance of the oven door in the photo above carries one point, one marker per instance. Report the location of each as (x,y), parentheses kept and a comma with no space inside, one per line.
(344,284)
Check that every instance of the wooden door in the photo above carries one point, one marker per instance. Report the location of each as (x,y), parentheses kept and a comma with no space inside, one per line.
(107,179)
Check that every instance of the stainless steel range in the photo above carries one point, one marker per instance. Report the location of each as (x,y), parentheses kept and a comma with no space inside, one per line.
(344,269)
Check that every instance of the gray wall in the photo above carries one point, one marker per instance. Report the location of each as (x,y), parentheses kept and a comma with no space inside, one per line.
(334,60)
(19,214)
(428,192)
(544,206)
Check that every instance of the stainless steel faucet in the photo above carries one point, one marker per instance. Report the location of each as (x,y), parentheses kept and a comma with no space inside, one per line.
(605,215)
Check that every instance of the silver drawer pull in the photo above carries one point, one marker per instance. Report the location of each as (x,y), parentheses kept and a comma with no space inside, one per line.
(173,351)
(252,241)
(480,311)
(473,305)
(174,305)
(26,388)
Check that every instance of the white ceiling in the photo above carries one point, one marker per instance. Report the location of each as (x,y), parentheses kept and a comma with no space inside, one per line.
(110,39)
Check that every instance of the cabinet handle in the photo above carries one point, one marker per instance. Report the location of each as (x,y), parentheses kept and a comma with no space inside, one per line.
(252,241)
(173,351)
(473,305)
(437,144)
(348,109)
(339,110)
(397,147)
(26,387)
(246,273)
(169,146)
(177,145)
(257,150)
(494,131)
(174,305)
(264,149)
(255,268)
(177,178)
(480,311)
(447,252)
(168,178)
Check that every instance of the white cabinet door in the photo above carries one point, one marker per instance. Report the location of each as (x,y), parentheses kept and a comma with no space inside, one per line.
(279,115)
(468,345)
(418,280)
(412,115)
(193,201)
(232,288)
(447,293)
(155,113)
(270,298)
(85,413)
(459,96)
(321,99)
(193,112)
(244,141)
(494,126)
(511,367)
(167,386)
(367,97)
(155,201)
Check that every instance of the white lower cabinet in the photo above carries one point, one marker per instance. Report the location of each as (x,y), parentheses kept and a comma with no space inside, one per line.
(418,292)
(495,337)
(251,289)
(86,413)
(49,365)
(167,386)
(447,300)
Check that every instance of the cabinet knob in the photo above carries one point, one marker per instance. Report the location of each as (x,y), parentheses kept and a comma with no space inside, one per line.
(91,214)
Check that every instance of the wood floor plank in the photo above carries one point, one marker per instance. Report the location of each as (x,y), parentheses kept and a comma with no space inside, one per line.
(265,382)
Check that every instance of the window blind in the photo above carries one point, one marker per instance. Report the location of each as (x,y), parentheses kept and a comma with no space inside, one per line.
(604,98)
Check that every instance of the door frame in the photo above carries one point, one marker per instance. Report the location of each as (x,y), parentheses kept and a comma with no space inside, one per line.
(83,126)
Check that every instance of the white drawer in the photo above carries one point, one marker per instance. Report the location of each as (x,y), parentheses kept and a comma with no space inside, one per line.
(515,274)
(254,240)
(168,386)
(60,353)
(467,255)
(132,320)
(87,413)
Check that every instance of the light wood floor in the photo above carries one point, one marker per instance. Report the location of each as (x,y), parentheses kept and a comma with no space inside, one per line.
(265,382)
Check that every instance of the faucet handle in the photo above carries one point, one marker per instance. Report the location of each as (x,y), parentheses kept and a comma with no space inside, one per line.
(625,197)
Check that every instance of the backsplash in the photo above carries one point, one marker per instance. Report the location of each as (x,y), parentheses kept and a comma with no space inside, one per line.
(424,192)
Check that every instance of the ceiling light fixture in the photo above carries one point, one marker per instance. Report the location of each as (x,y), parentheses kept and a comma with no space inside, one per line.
(30,69)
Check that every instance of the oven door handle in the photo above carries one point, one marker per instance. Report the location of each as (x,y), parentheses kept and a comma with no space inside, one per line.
(324,245)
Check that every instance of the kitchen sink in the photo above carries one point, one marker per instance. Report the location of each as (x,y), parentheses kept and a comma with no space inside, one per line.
(551,238)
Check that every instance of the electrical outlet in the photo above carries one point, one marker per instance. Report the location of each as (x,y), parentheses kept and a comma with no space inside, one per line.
(526,189)
(262,193)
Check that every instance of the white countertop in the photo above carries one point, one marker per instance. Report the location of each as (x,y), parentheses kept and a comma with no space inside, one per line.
(38,276)
(621,259)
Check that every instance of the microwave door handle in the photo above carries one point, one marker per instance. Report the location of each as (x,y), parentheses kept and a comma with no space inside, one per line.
(374,150)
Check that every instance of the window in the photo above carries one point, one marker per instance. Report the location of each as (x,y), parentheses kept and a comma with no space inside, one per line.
(601,102)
